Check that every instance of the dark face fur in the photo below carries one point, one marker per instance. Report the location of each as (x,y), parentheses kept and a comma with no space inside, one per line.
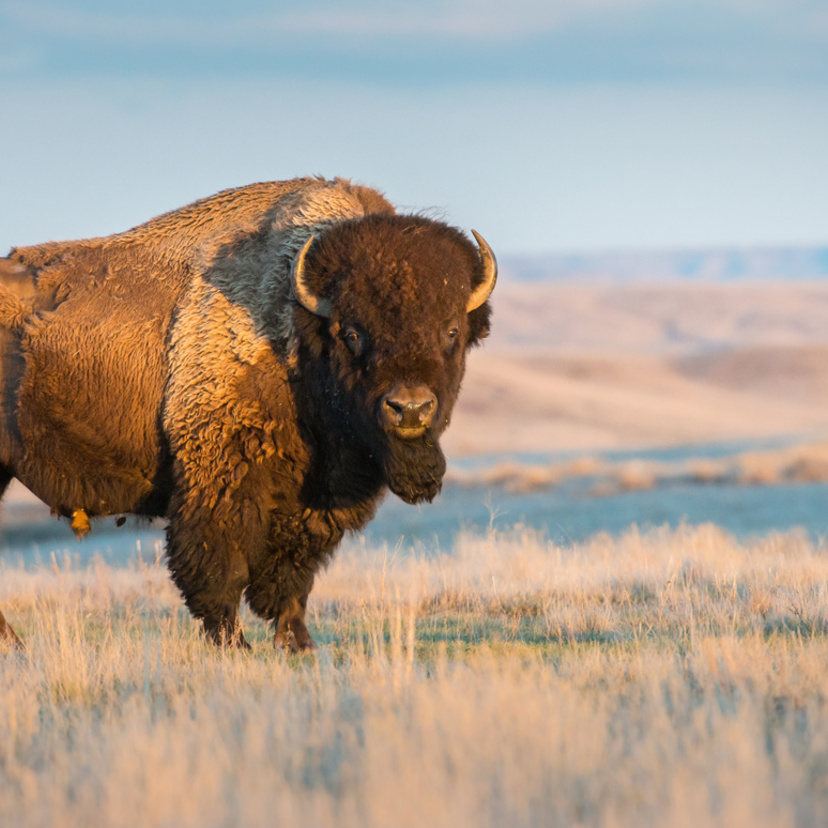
(391,354)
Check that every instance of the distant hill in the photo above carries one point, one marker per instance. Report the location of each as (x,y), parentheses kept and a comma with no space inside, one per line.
(578,365)
(712,265)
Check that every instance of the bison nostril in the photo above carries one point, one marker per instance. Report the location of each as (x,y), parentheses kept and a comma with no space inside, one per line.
(409,408)
(424,410)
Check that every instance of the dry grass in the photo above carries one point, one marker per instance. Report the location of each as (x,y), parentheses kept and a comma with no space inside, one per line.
(670,678)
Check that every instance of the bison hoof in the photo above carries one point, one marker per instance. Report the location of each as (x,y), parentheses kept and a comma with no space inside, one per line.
(293,638)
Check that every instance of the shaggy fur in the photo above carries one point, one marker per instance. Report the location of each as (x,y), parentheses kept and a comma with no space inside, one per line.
(166,371)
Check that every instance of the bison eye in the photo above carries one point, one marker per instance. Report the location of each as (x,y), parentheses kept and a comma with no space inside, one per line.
(355,340)
(450,335)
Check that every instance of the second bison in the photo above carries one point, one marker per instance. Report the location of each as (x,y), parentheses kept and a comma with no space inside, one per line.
(257,367)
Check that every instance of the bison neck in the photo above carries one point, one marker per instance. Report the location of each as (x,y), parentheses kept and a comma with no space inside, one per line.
(343,482)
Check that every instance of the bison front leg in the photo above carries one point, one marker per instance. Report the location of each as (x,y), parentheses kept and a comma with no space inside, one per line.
(208,565)
(279,591)
(291,634)
(224,628)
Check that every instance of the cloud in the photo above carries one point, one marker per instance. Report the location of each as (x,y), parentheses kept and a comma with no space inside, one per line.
(465,19)
(539,40)
(468,19)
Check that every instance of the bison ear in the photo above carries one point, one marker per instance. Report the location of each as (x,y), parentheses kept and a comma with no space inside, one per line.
(304,295)
(479,324)
(484,290)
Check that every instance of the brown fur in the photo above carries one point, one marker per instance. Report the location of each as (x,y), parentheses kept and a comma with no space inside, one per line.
(166,371)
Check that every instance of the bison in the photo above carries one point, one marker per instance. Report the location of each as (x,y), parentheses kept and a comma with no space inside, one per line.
(258,368)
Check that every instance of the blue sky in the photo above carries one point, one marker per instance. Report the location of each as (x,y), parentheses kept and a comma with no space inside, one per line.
(548,126)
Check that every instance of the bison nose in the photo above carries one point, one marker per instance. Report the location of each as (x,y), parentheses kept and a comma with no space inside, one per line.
(411,409)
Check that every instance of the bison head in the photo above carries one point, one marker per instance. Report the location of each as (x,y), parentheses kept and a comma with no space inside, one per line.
(387,307)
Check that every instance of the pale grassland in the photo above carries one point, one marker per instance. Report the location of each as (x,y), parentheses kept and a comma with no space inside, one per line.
(800,463)
(671,678)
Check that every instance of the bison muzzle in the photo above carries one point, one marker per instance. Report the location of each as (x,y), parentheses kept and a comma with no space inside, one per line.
(408,412)
(257,367)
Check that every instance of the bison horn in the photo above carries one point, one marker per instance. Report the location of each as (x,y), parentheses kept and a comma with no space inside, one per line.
(306,298)
(484,290)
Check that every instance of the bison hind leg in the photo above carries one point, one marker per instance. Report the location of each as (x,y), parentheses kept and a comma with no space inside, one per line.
(8,637)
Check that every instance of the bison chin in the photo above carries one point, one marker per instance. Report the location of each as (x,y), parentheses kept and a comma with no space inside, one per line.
(414,469)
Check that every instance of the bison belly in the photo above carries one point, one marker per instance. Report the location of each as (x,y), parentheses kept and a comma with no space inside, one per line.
(83,429)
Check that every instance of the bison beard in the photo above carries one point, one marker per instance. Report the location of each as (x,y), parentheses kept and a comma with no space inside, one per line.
(414,469)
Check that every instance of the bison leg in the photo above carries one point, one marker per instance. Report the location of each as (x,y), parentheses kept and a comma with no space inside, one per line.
(225,630)
(292,635)
(217,605)
(8,637)
(279,591)
(211,574)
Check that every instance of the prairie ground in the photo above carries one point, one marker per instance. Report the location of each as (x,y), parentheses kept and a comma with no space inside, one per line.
(674,677)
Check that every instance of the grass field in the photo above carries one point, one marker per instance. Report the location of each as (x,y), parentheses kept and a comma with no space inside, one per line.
(667,678)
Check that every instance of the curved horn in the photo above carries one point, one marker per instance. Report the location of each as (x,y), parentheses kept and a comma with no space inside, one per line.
(306,298)
(484,290)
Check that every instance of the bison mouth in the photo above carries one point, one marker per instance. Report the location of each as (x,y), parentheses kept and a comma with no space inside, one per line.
(409,433)
(414,467)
